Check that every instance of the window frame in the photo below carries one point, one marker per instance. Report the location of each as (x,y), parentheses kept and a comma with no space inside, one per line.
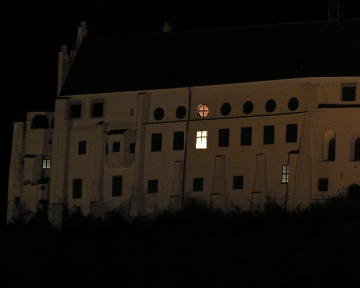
(77,188)
(269,134)
(82,147)
(178,140)
(46,163)
(116,188)
(224,137)
(323,184)
(348,95)
(156,142)
(291,133)
(71,112)
(238,182)
(198,184)
(96,102)
(153,183)
(203,110)
(201,139)
(116,146)
(245,136)
(285,174)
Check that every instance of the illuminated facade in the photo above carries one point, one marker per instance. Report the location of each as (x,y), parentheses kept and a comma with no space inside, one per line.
(251,114)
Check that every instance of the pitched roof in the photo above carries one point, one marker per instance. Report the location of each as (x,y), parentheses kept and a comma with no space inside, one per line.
(210,57)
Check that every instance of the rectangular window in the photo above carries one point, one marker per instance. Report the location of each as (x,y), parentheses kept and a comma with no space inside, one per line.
(75,111)
(201,139)
(77,188)
(97,109)
(246,136)
(116,146)
(156,142)
(17,200)
(178,141)
(238,182)
(224,135)
(152,186)
(291,133)
(116,186)
(82,147)
(323,184)
(46,164)
(198,184)
(132,148)
(269,134)
(348,91)
(285,174)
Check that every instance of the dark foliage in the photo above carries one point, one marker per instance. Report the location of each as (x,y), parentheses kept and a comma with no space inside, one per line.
(194,246)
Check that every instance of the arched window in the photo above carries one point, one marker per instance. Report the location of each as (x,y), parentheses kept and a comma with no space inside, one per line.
(329,146)
(357,149)
(40,122)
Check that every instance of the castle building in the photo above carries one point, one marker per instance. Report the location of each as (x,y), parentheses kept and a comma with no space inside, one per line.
(229,116)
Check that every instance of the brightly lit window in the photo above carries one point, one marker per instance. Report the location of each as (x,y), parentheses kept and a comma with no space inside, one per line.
(203,110)
(201,139)
(285,174)
(46,164)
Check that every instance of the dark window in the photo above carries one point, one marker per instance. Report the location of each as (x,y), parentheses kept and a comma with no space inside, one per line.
(97,109)
(291,133)
(152,186)
(225,109)
(269,134)
(180,112)
(132,148)
(238,182)
(248,107)
(198,184)
(116,146)
(270,106)
(77,188)
(116,185)
(156,142)
(331,151)
(178,141)
(106,149)
(17,199)
(348,92)
(82,147)
(357,149)
(224,135)
(158,114)
(293,104)
(246,136)
(40,122)
(323,184)
(75,111)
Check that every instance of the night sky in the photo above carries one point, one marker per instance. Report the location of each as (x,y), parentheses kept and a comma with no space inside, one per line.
(35,30)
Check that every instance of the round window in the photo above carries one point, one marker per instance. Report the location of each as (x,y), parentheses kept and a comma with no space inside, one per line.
(203,110)
(248,107)
(270,106)
(180,112)
(293,104)
(225,109)
(158,114)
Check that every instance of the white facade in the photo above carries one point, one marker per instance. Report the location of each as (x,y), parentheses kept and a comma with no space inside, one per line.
(295,140)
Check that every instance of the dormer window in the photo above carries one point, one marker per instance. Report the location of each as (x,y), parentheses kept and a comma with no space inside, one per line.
(348,91)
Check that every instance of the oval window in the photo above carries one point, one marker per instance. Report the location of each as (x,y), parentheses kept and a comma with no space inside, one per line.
(293,104)
(270,106)
(225,109)
(248,107)
(180,112)
(203,110)
(158,114)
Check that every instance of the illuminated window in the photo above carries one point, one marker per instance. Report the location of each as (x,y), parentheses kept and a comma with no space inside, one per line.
(46,164)
(323,184)
(348,91)
(201,139)
(285,174)
(203,110)
(238,182)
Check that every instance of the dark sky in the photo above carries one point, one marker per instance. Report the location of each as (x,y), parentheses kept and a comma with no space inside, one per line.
(35,30)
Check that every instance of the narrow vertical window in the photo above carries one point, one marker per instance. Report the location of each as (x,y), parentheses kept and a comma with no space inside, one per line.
(285,174)
(269,134)
(132,148)
(238,182)
(116,186)
(357,149)
(153,186)
(156,142)
(198,184)
(224,135)
(77,188)
(291,133)
(116,146)
(331,151)
(201,139)
(82,147)
(46,164)
(178,140)
(323,184)
(246,136)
